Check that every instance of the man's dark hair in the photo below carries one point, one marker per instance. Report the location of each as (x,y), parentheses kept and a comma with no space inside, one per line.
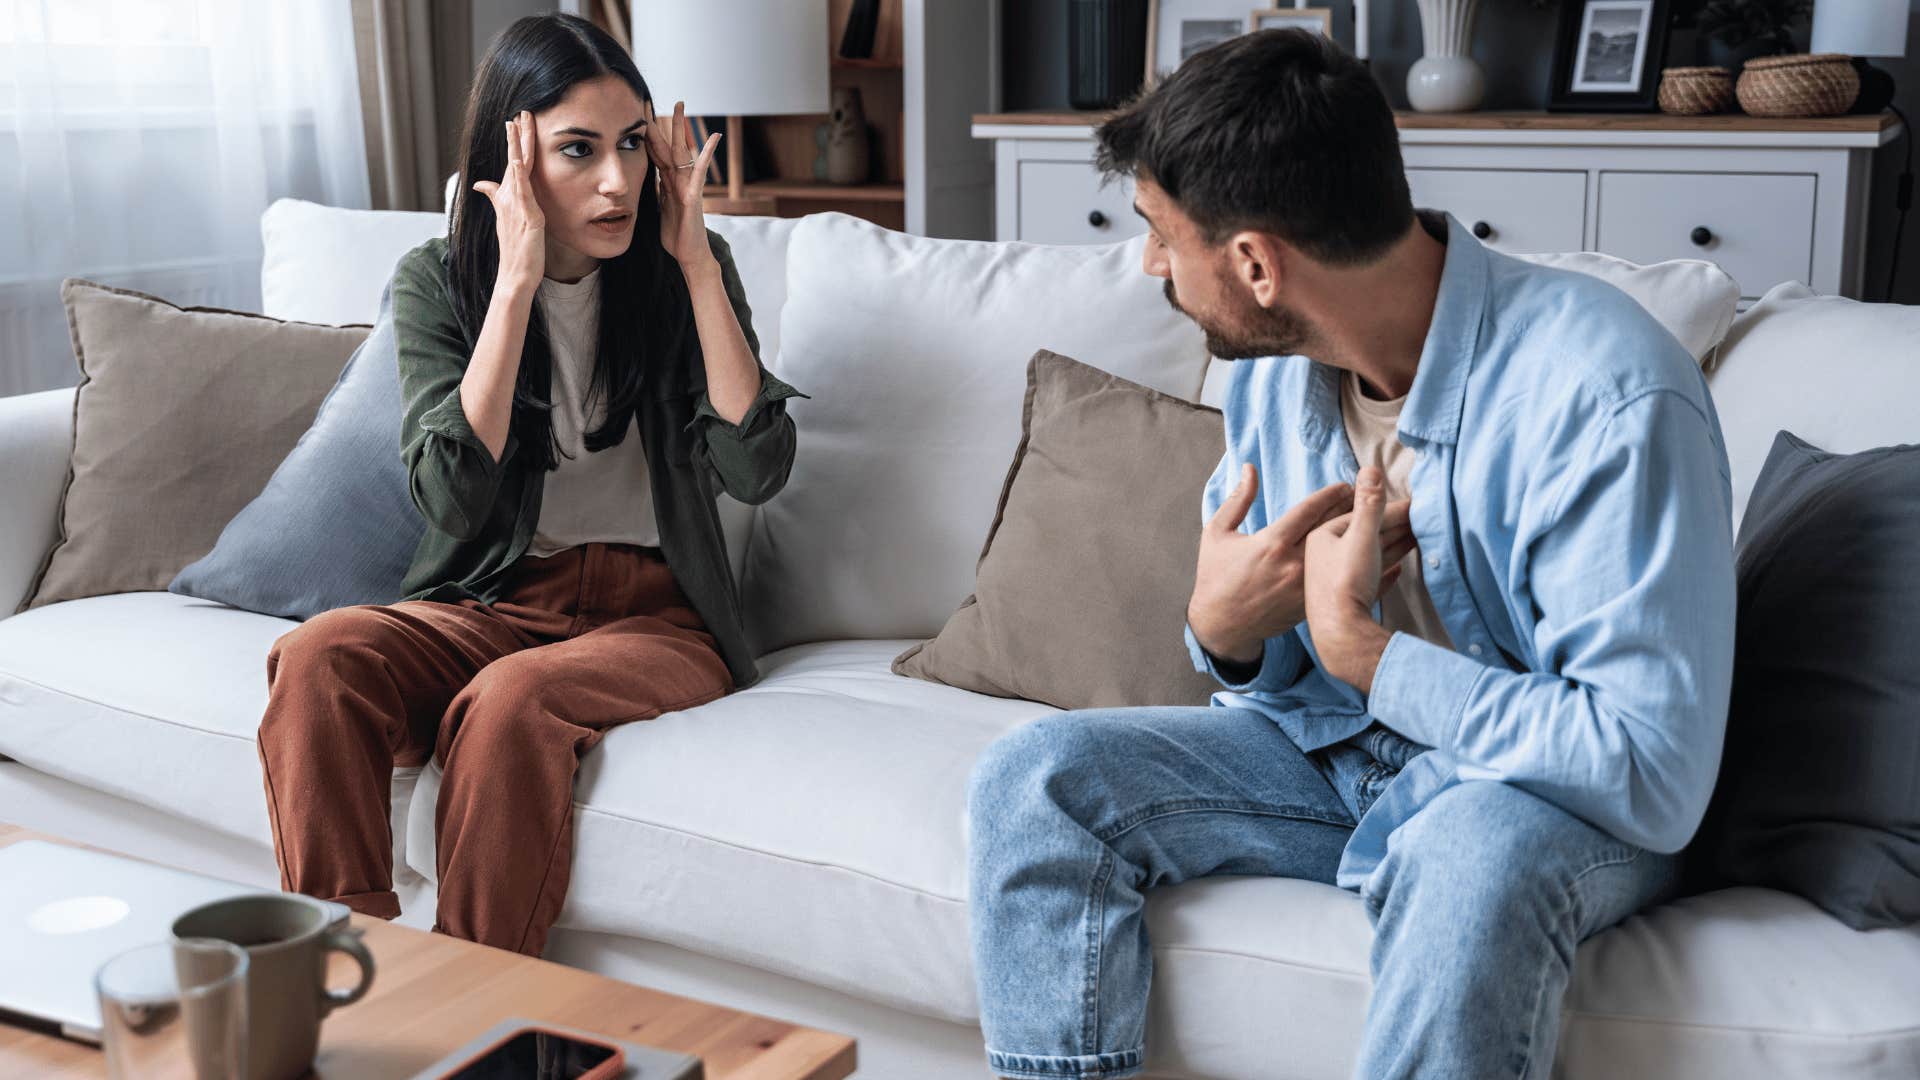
(1278,130)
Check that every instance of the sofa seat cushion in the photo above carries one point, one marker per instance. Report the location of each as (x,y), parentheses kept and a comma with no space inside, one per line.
(813,825)
(1745,982)
(150,696)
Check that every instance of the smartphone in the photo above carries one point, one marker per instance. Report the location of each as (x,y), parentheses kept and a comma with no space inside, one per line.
(535,1053)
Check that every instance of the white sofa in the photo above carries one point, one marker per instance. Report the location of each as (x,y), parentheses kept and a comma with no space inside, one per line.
(798,848)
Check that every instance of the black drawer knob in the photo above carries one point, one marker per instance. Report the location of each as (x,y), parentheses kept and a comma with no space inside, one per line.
(1482,230)
(1701,235)
(1097,219)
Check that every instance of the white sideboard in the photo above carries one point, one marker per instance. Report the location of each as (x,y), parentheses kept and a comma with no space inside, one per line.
(1768,200)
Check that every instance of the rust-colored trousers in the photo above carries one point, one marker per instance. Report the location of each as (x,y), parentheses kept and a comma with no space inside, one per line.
(506,697)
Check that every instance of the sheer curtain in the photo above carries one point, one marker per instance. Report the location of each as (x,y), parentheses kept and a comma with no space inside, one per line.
(141,139)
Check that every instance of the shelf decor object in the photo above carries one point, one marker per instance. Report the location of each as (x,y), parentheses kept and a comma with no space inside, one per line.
(772,61)
(1820,84)
(1608,55)
(1863,28)
(1446,78)
(1106,51)
(1696,91)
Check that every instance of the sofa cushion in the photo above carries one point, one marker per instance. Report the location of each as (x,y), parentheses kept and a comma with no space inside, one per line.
(334,525)
(1838,373)
(324,264)
(813,825)
(1096,528)
(180,417)
(150,696)
(1694,299)
(791,826)
(920,347)
(1819,787)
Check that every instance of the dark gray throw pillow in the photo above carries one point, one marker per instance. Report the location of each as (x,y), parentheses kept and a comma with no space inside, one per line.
(334,526)
(1819,789)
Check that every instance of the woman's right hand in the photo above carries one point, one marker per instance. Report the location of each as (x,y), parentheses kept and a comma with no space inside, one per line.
(521,226)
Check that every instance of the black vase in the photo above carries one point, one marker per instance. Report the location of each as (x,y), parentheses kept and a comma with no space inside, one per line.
(1106,51)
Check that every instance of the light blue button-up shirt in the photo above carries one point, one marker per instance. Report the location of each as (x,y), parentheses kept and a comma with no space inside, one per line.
(1572,503)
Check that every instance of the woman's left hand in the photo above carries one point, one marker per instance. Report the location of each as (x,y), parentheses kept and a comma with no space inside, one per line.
(682,183)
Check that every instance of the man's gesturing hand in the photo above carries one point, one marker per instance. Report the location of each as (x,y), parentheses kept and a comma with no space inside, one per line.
(1248,588)
(1344,557)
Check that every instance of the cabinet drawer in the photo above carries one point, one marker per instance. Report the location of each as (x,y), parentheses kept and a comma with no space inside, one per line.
(1523,210)
(1758,227)
(1062,202)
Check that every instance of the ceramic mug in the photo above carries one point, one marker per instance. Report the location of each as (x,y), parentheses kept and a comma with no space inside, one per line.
(287,938)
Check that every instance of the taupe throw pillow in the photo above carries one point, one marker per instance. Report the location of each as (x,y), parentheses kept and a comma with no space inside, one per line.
(1080,594)
(181,416)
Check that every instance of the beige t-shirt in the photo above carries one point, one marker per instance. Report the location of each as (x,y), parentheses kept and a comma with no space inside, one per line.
(1373,429)
(603,496)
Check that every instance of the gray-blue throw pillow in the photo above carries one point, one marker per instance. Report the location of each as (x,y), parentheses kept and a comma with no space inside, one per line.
(1819,789)
(334,526)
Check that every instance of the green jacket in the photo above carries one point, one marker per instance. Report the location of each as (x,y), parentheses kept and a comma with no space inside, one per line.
(481,513)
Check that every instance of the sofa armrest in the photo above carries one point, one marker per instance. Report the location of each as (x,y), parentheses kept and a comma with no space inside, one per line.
(36,439)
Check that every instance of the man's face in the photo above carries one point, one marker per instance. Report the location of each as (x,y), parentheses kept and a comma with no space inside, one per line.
(1203,283)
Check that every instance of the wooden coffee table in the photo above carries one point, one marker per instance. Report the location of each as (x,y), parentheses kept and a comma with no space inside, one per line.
(433,993)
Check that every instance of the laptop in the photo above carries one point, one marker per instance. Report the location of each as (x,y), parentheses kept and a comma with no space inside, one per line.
(64,911)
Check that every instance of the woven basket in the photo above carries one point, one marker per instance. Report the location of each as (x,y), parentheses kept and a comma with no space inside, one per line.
(1694,91)
(1817,84)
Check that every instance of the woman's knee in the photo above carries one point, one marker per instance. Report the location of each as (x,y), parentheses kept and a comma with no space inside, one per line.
(331,639)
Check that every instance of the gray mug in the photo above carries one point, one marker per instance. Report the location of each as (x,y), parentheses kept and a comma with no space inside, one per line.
(287,938)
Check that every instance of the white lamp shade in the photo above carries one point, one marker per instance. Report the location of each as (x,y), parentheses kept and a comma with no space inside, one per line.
(1860,27)
(734,57)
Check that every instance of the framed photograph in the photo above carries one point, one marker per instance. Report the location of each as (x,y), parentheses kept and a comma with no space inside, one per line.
(1608,55)
(1176,29)
(1318,20)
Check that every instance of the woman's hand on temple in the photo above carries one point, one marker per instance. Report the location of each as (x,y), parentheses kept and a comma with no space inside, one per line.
(518,220)
(682,179)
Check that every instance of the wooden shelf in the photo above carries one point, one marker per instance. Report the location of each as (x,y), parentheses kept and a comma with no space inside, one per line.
(848,64)
(817,190)
(1530,120)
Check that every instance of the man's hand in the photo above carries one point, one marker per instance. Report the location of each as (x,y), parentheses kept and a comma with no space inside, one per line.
(1248,588)
(1344,557)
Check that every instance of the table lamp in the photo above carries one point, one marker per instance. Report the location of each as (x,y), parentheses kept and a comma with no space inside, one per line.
(734,58)
(1863,28)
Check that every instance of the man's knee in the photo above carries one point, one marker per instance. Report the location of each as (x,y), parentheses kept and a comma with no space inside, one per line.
(1032,760)
(1489,845)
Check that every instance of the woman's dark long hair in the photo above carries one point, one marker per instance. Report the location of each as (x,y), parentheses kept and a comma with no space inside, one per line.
(645,311)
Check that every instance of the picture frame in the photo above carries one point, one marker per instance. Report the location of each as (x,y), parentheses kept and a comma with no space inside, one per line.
(1176,29)
(1608,55)
(1306,18)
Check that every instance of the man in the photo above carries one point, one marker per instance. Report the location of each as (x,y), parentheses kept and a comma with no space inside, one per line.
(1502,741)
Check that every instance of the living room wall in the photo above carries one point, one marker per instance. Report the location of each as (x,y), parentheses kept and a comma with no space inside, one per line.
(1512,40)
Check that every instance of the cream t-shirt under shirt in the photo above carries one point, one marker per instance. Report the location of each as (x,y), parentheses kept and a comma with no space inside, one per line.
(1373,429)
(605,496)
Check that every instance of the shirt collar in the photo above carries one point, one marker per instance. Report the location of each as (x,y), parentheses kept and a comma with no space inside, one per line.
(1433,405)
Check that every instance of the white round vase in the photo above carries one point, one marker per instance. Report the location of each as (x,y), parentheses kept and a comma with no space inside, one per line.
(1446,79)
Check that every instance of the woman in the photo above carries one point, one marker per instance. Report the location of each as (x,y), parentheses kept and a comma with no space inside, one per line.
(566,453)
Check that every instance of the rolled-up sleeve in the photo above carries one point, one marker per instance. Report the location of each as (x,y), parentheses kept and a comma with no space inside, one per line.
(1633,584)
(753,458)
(451,475)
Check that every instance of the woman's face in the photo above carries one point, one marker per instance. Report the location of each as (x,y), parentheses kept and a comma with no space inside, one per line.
(589,160)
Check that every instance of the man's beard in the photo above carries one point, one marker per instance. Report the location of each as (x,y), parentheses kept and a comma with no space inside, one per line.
(1277,331)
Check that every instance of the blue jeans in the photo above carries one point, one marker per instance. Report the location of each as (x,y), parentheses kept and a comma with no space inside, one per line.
(1476,910)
